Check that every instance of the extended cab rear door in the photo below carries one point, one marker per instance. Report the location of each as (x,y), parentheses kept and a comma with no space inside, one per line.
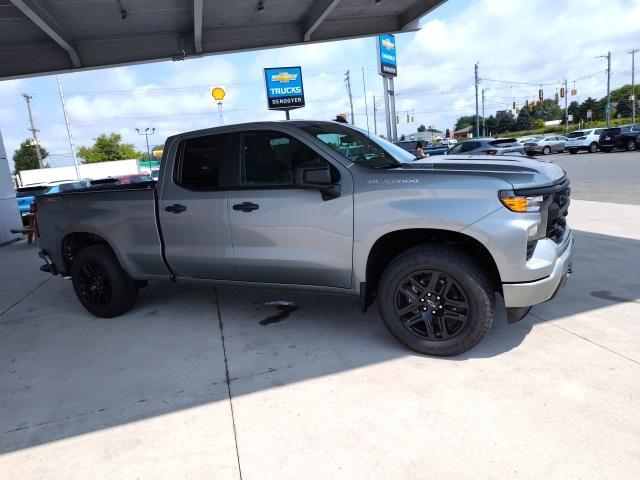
(193,207)
(283,233)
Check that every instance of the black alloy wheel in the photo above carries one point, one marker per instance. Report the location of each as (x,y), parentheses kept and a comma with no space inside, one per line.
(94,285)
(631,146)
(431,305)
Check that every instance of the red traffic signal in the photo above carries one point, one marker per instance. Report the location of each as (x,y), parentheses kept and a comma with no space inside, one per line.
(562,92)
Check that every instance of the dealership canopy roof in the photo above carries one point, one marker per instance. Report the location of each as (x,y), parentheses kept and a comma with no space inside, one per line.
(46,36)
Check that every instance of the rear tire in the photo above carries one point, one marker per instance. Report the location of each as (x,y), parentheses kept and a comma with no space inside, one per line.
(573,151)
(593,148)
(546,150)
(464,301)
(101,284)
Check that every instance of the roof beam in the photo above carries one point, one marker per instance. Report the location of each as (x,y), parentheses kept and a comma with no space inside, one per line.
(317,13)
(411,16)
(197,25)
(38,15)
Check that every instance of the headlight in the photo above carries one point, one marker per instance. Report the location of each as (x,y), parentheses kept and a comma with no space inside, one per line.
(522,204)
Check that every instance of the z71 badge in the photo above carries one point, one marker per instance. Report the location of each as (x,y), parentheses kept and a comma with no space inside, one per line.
(375,181)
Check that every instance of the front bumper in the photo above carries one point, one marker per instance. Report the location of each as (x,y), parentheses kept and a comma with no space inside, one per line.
(525,294)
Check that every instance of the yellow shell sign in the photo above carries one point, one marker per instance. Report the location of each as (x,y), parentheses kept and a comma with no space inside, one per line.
(217,93)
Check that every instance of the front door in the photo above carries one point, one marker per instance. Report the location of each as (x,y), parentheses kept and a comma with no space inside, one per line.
(193,209)
(286,234)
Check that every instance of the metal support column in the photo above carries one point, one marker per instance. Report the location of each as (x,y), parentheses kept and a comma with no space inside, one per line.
(387,115)
(392,101)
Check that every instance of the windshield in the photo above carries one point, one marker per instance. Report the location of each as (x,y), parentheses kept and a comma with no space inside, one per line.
(359,147)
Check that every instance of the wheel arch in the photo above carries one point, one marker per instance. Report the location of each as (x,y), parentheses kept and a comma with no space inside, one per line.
(73,242)
(391,244)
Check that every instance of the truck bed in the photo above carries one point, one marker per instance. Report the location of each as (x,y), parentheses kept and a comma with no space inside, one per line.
(125,216)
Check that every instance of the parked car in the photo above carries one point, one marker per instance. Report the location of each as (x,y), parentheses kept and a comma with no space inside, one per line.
(121,180)
(487,146)
(26,196)
(625,137)
(546,145)
(410,146)
(523,140)
(448,142)
(587,140)
(277,204)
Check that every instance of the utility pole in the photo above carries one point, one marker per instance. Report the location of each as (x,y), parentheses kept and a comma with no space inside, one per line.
(633,85)
(477,115)
(376,105)
(566,108)
(34,130)
(484,130)
(66,120)
(366,105)
(347,81)
(146,136)
(607,113)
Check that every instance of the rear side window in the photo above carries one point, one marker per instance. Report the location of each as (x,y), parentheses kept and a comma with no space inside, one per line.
(576,134)
(599,131)
(611,131)
(468,146)
(200,161)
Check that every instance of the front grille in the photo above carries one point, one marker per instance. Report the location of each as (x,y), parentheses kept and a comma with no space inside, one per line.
(558,211)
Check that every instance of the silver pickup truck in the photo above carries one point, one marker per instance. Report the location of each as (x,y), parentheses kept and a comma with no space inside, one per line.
(325,207)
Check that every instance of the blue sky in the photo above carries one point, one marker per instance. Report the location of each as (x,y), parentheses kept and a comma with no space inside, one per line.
(514,40)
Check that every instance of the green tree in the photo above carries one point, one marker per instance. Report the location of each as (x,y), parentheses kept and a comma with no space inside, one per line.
(491,125)
(623,92)
(506,123)
(547,110)
(591,104)
(624,107)
(26,156)
(465,121)
(422,128)
(574,109)
(524,121)
(107,148)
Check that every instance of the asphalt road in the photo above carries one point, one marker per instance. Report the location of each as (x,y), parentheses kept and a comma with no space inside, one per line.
(603,177)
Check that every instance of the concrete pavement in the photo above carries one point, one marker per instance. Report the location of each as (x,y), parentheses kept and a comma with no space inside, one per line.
(326,392)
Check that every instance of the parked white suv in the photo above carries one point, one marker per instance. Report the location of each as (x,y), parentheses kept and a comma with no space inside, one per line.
(584,140)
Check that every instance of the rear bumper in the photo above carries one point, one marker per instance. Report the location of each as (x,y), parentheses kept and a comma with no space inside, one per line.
(526,294)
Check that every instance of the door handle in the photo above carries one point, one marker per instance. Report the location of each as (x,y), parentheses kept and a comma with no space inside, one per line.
(175,208)
(246,207)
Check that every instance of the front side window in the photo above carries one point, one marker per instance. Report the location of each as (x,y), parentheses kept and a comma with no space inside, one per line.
(359,147)
(271,158)
(200,160)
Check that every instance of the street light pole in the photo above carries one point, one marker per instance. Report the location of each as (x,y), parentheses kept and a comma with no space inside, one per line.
(477,117)
(633,85)
(607,113)
(484,129)
(146,136)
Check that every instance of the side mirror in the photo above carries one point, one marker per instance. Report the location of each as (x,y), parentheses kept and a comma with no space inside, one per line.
(315,177)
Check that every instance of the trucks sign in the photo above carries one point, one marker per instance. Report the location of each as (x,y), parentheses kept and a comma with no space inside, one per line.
(284,88)
(387,65)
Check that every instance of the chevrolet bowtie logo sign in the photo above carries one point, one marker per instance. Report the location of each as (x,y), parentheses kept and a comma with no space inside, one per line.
(284,77)
(388,44)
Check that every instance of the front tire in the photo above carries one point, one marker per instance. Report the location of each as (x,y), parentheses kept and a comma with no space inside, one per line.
(631,146)
(101,284)
(440,279)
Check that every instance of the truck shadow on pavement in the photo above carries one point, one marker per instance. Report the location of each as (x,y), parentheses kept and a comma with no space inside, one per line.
(64,373)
